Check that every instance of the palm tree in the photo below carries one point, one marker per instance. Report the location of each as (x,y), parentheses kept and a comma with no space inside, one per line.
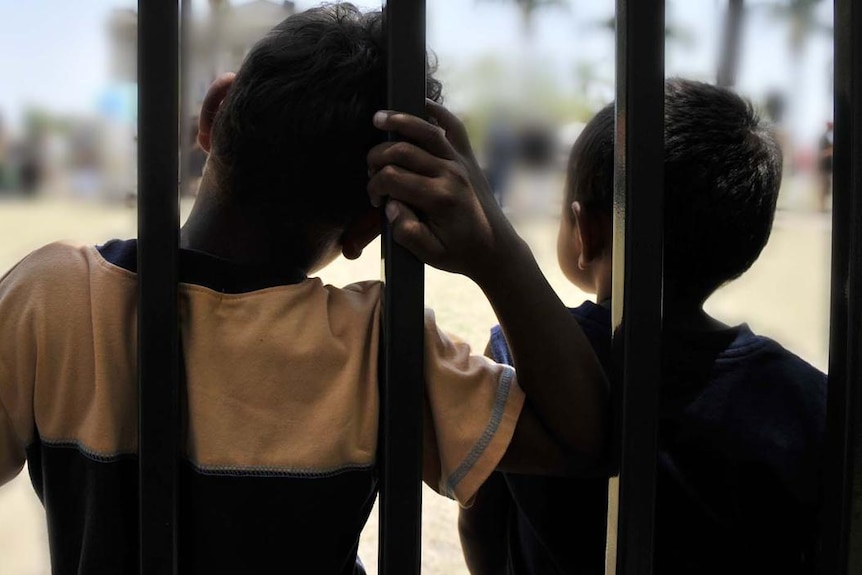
(672,33)
(528,9)
(529,64)
(729,56)
(800,17)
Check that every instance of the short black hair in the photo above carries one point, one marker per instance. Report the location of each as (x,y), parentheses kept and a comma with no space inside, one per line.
(723,169)
(590,173)
(293,132)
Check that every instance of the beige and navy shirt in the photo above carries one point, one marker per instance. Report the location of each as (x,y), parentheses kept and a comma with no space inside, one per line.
(281,411)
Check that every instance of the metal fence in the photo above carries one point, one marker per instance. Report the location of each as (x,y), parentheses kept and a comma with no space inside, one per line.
(637,297)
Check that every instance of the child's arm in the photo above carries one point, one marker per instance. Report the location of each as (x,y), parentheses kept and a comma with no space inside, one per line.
(17,364)
(463,231)
(483,528)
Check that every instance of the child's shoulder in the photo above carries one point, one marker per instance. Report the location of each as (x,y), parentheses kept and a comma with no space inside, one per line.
(757,394)
(750,405)
(54,267)
(365,288)
(746,372)
(359,299)
(768,366)
(595,321)
(365,291)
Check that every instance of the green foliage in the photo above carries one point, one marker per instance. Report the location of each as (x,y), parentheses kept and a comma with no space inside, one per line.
(801,18)
(530,6)
(39,121)
(485,87)
(528,9)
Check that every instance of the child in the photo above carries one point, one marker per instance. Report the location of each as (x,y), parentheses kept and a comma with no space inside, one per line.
(742,419)
(281,409)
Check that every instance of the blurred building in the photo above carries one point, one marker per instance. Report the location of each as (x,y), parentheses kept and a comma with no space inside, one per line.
(220,39)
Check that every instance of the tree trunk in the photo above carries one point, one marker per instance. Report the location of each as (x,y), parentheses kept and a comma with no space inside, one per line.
(729,57)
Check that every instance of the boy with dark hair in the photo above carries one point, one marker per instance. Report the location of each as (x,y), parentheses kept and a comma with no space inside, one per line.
(742,418)
(281,397)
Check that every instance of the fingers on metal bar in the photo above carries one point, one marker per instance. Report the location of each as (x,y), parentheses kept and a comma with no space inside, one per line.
(402,384)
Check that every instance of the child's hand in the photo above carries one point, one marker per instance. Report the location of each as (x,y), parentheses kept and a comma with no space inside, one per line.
(439,207)
(461,229)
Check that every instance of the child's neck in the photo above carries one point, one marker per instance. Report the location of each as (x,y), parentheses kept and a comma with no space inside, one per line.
(221,233)
(603,276)
(242,238)
(690,319)
(677,316)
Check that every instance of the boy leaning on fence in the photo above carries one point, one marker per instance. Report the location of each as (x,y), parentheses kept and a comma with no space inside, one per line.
(741,418)
(281,395)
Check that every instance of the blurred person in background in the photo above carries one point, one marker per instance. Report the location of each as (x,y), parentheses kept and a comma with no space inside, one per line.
(197,158)
(824,166)
(500,151)
(30,165)
(3,158)
(536,155)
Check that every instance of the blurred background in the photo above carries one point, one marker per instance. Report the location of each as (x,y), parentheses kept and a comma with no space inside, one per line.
(524,75)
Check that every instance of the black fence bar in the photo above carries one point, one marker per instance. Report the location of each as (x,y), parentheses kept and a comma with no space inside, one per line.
(158,219)
(841,552)
(637,280)
(403,324)
(185,87)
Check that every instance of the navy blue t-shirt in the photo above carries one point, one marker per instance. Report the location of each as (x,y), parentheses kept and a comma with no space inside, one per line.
(741,429)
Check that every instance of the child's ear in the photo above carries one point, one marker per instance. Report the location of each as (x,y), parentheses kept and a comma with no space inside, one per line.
(212,102)
(360,232)
(592,231)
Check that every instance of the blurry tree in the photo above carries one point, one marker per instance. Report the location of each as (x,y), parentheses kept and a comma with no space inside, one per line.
(800,16)
(39,121)
(528,9)
(672,33)
(802,21)
(590,83)
(728,63)
(485,88)
(528,62)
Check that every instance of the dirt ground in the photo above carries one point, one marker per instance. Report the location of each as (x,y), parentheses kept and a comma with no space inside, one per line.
(785,296)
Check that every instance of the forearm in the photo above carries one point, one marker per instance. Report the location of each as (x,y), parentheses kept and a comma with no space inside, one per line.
(434,174)
(483,528)
(557,369)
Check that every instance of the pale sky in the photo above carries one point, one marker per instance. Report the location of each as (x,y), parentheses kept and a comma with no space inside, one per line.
(54,53)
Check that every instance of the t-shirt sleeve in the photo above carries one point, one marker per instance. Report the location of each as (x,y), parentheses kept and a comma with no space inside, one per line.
(17,364)
(472,406)
(500,347)
(11,449)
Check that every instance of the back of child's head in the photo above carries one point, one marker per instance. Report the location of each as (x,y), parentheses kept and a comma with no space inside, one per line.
(722,176)
(293,133)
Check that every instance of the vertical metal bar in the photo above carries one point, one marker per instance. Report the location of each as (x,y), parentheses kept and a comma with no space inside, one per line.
(185,90)
(637,279)
(841,551)
(403,325)
(158,220)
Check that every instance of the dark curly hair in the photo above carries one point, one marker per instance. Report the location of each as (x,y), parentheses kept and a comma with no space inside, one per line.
(722,175)
(293,132)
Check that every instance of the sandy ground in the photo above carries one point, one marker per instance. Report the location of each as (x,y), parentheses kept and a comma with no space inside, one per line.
(785,295)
